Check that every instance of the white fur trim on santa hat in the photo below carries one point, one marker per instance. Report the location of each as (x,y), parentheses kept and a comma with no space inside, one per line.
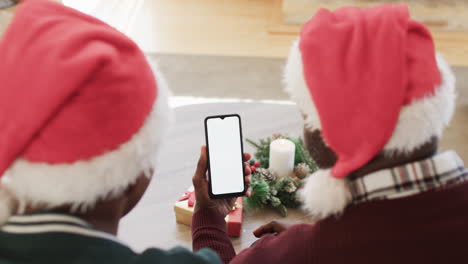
(426,117)
(83,183)
(296,87)
(6,205)
(324,195)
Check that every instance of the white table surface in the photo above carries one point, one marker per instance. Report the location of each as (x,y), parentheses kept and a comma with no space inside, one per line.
(152,223)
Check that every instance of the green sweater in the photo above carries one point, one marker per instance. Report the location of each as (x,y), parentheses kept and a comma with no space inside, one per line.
(62,239)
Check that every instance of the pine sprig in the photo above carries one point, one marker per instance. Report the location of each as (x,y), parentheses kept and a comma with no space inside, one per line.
(260,193)
(262,153)
(304,155)
(253,143)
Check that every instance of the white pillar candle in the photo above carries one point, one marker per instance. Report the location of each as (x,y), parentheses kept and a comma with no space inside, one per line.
(282,157)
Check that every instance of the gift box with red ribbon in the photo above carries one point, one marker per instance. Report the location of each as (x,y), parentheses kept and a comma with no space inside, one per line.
(184,207)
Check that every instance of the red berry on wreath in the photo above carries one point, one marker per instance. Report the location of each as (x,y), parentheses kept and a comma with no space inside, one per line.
(253,169)
(257,164)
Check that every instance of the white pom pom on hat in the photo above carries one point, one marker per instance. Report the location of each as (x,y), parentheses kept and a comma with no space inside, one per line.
(324,195)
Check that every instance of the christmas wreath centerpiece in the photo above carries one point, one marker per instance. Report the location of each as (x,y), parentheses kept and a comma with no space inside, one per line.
(273,187)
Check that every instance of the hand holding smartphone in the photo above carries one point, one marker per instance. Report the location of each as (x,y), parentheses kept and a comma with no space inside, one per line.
(225,156)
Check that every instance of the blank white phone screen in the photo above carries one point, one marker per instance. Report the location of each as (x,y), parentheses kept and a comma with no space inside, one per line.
(224,145)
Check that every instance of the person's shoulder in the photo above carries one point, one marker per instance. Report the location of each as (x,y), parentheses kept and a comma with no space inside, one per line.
(177,255)
(300,230)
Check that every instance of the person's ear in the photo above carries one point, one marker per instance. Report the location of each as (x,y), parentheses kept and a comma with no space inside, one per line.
(135,191)
(322,155)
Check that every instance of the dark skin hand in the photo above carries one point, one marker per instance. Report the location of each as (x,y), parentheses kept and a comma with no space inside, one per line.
(200,183)
(274,227)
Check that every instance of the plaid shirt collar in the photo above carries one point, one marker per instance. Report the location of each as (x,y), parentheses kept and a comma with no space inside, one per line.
(440,170)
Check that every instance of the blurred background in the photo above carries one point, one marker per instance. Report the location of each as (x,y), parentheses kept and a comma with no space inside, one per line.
(224,50)
(235,49)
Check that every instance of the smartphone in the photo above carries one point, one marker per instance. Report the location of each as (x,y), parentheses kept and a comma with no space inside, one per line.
(225,156)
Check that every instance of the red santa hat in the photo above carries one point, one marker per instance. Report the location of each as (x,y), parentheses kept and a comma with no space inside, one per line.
(371,81)
(81,111)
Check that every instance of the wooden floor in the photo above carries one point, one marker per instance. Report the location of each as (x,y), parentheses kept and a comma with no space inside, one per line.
(221,27)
